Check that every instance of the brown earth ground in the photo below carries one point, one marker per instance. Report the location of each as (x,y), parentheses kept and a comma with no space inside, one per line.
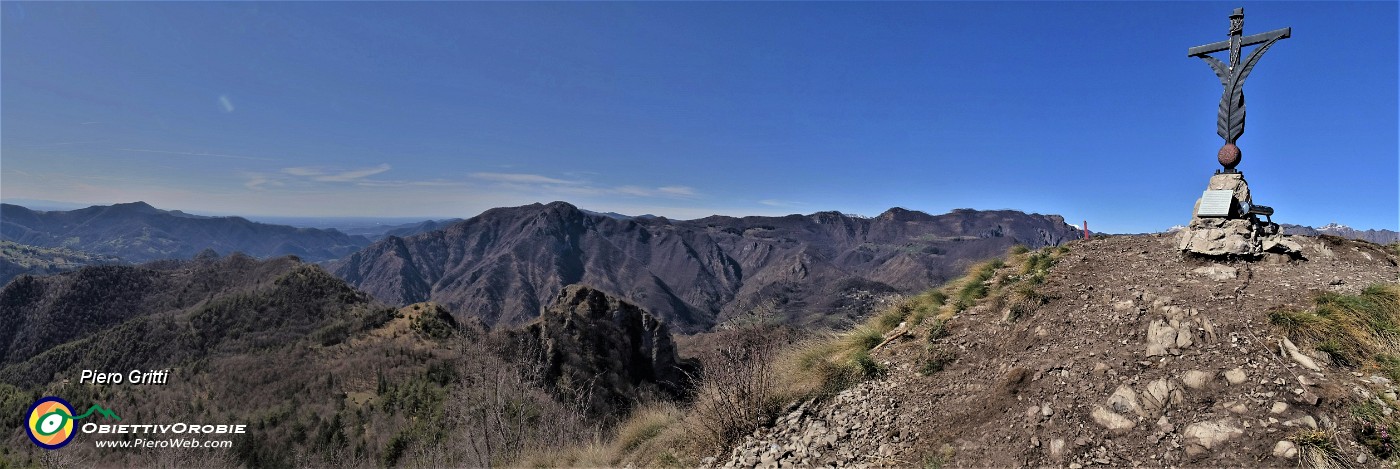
(1025,391)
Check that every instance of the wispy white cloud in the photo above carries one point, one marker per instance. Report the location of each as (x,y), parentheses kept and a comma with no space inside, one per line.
(634,190)
(521,178)
(257,181)
(325,175)
(310,178)
(58,144)
(397,183)
(189,153)
(779,203)
(679,192)
(90,123)
(225,103)
(303,171)
(353,174)
(578,185)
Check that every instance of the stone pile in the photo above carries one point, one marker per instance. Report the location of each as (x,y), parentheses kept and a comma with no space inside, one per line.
(857,428)
(1238,233)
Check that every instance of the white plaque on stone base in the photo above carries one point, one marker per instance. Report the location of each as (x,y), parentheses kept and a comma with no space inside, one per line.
(1216,204)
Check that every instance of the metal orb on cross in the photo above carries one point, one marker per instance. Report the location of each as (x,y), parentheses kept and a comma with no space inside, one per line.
(1230,119)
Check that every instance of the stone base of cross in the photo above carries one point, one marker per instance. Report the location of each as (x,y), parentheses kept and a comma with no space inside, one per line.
(1225,223)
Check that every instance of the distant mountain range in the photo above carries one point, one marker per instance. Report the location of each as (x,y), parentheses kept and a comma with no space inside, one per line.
(1334,229)
(375,232)
(138,232)
(505,264)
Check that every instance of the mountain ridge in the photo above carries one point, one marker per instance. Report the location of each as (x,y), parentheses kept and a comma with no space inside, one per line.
(1336,229)
(504,264)
(139,232)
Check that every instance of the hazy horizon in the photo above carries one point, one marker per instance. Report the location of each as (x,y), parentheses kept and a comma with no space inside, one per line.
(1091,111)
(50,205)
(314,221)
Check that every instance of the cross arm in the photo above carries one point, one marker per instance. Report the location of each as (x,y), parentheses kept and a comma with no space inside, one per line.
(1249,40)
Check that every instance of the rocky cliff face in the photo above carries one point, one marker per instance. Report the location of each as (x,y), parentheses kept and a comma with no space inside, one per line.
(825,268)
(1139,357)
(604,351)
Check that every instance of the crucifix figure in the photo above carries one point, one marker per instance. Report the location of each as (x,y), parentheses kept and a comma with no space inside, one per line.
(1230,121)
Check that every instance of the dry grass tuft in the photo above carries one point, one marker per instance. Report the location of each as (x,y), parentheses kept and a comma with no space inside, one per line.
(1317,449)
(1359,331)
(1355,330)
(653,432)
(974,285)
(756,372)
(1013,283)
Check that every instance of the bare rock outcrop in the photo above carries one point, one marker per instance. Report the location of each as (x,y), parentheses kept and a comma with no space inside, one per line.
(590,341)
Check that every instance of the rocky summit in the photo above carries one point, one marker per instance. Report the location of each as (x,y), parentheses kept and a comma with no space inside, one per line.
(605,351)
(1138,357)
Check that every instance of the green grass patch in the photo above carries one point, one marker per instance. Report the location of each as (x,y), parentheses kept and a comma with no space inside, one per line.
(1375,430)
(1390,365)
(867,365)
(865,338)
(1358,331)
(937,330)
(890,321)
(1008,282)
(925,305)
(939,459)
(1317,439)
(1355,330)
(1377,436)
(974,285)
(936,361)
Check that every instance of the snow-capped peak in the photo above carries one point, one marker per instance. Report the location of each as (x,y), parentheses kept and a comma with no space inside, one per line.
(1334,226)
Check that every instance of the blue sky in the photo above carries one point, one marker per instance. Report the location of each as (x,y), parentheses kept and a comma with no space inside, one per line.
(1089,110)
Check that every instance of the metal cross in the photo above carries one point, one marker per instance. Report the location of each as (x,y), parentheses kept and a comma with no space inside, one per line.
(1230,122)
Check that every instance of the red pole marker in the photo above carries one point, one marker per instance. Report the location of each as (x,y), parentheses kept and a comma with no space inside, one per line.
(1086,229)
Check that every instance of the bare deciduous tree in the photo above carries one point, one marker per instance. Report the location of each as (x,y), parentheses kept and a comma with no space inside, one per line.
(501,412)
(739,385)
